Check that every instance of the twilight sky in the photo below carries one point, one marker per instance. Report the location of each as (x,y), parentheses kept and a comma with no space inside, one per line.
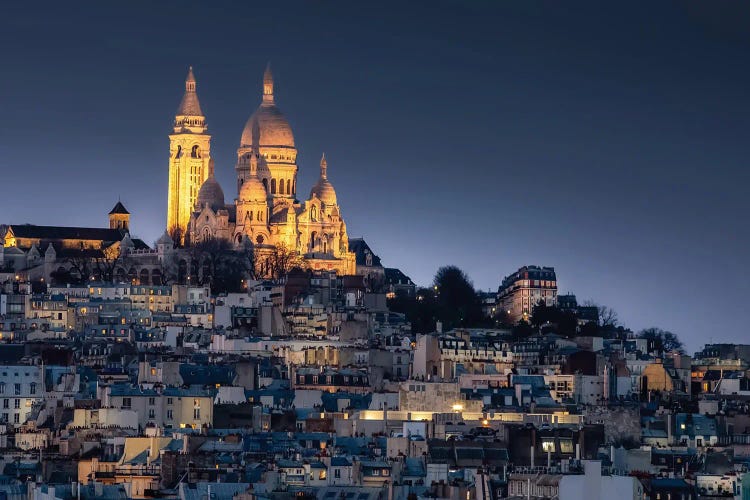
(610,142)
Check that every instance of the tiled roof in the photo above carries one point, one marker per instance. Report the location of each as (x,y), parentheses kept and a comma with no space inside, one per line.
(360,247)
(67,233)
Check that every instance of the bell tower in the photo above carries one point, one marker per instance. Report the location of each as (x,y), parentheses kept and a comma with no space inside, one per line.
(189,156)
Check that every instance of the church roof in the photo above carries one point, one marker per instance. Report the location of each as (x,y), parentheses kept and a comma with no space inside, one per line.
(360,248)
(165,239)
(323,189)
(189,106)
(267,126)
(253,190)
(119,209)
(211,193)
(66,233)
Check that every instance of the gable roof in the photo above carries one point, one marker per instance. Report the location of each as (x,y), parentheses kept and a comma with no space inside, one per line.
(119,209)
(66,233)
(360,248)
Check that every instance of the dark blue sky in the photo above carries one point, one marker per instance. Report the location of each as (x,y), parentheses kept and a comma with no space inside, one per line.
(607,141)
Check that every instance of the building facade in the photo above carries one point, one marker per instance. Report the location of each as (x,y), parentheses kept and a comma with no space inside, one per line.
(522,290)
(266,212)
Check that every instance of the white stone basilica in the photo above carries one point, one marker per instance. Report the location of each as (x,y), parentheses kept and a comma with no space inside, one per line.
(266,211)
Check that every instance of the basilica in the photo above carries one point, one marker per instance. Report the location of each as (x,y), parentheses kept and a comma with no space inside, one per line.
(266,211)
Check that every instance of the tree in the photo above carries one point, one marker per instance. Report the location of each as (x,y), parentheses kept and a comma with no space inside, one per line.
(608,317)
(105,263)
(564,322)
(222,266)
(276,262)
(420,310)
(175,232)
(668,341)
(79,263)
(608,322)
(169,269)
(458,302)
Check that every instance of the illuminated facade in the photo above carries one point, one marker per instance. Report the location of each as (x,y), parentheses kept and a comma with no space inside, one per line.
(189,157)
(522,290)
(266,212)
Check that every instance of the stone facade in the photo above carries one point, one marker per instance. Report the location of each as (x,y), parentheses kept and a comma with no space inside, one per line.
(266,212)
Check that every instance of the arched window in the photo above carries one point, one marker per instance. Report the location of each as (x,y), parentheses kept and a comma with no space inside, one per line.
(120,275)
(179,152)
(313,237)
(281,186)
(144,277)
(206,234)
(294,187)
(273,186)
(156,277)
(288,187)
(250,215)
(314,213)
(195,152)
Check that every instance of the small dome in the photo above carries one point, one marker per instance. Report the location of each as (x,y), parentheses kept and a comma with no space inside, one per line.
(253,190)
(211,193)
(323,189)
(267,127)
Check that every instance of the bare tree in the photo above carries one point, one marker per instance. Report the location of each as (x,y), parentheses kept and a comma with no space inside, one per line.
(169,268)
(607,316)
(80,266)
(105,262)
(276,262)
(220,264)
(668,340)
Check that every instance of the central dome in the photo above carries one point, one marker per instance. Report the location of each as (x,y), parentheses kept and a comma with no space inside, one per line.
(267,126)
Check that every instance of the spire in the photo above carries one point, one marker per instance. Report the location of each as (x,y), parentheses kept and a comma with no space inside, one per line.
(190,81)
(323,167)
(189,106)
(253,164)
(268,85)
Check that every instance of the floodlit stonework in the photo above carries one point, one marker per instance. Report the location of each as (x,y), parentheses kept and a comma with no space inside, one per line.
(189,157)
(266,212)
